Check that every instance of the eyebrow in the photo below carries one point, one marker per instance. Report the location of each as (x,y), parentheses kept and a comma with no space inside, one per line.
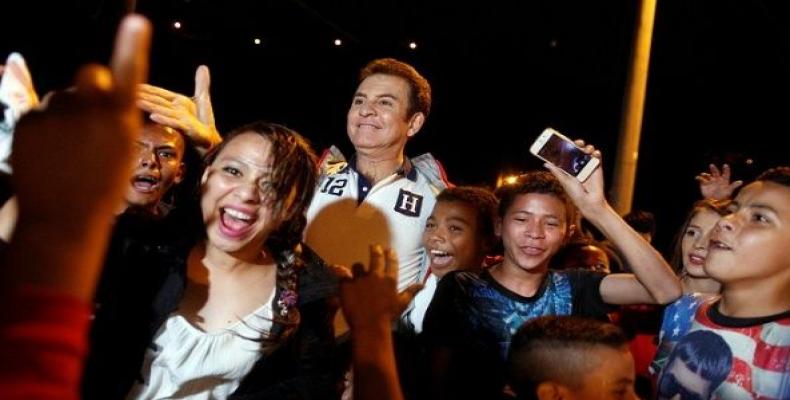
(266,169)
(765,207)
(459,219)
(153,146)
(760,206)
(389,95)
(543,215)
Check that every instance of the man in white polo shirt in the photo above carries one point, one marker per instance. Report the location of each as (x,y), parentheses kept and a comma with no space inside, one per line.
(378,196)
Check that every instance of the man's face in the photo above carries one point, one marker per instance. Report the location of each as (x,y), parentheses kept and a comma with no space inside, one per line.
(611,379)
(158,165)
(750,245)
(533,229)
(377,122)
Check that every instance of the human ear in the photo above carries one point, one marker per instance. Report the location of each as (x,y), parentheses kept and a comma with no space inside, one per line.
(415,123)
(549,391)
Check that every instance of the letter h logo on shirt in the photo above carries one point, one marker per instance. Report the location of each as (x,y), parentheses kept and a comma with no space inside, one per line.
(408,203)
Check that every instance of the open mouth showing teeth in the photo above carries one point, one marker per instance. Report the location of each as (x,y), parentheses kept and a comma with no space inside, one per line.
(715,244)
(530,250)
(235,223)
(235,214)
(145,183)
(441,258)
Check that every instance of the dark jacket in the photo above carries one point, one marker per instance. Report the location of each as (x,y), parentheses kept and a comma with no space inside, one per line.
(144,282)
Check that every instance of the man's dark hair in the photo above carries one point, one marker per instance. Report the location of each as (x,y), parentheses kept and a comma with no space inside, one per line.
(779,175)
(542,182)
(420,89)
(555,348)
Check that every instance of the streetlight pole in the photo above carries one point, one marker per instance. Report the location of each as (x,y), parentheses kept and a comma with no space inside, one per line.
(633,110)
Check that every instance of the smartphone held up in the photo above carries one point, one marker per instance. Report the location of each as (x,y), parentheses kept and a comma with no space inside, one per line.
(553,147)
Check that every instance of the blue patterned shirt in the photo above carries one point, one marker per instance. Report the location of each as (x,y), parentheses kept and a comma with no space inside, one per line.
(474,317)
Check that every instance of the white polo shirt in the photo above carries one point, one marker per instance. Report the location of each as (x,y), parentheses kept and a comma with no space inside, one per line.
(348,214)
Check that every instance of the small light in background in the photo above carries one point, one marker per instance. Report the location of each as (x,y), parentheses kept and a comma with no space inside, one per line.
(749,161)
(412,45)
(553,43)
(177,25)
(257,41)
(508,179)
(338,42)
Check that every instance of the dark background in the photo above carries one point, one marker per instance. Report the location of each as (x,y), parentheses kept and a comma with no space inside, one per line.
(501,71)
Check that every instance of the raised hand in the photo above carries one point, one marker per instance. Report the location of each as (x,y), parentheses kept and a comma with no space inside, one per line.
(716,184)
(370,297)
(74,153)
(72,163)
(72,157)
(194,117)
(589,196)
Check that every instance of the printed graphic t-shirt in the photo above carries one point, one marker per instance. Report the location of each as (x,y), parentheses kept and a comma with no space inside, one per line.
(734,358)
(475,317)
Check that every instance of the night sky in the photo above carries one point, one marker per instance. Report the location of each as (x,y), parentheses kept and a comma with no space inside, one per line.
(501,71)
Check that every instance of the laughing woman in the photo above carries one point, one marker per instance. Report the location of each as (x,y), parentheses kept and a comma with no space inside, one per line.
(243,311)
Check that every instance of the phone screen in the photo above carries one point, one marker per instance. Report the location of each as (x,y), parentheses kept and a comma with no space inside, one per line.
(565,155)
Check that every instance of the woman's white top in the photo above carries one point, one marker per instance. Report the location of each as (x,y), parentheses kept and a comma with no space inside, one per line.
(184,362)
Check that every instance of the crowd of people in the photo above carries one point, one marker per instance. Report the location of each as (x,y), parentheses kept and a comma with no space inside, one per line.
(145,255)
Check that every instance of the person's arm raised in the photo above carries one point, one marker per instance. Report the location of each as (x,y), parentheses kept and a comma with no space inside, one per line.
(193,116)
(72,162)
(653,280)
(370,303)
